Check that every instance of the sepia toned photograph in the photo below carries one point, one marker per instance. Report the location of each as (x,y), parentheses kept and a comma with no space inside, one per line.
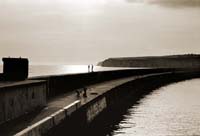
(99,67)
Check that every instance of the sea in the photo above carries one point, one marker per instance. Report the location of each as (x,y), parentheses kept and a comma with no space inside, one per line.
(48,70)
(173,110)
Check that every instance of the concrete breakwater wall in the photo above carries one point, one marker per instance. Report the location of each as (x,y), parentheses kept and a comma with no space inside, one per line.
(81,113)
(60,84)
(19,98)
(83,120)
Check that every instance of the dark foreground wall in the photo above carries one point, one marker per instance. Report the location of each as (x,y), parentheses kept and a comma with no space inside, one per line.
(19,98)
(65,83)
(89,118)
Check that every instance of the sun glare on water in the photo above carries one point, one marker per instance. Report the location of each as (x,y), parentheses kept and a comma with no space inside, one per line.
(85,6)
(88,3)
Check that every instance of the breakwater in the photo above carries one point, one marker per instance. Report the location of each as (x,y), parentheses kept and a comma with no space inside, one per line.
(106,108)
(59,84)
(19,98)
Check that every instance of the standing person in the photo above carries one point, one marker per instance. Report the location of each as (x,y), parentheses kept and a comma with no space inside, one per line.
(92,68)
(88,68)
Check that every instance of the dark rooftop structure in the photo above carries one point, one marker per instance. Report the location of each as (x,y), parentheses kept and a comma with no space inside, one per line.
(15,69)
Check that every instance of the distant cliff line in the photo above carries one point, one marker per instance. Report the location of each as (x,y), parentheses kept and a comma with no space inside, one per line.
(170,61)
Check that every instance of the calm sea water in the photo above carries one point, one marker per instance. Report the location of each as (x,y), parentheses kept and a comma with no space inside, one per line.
(43,70)
(173,110)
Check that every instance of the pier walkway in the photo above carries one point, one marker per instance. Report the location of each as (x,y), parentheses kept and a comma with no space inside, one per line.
(59,103)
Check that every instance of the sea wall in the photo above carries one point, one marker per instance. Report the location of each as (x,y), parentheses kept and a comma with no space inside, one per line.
(83,120)
(19,98)
(60,84)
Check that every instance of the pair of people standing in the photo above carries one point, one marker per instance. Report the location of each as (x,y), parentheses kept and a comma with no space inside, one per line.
(90,68)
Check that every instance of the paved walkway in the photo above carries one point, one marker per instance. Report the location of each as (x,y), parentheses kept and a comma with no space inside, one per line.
(58,103)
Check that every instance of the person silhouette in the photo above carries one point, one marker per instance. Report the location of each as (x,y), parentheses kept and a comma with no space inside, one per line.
(92,68)
(84,92)
(88,68)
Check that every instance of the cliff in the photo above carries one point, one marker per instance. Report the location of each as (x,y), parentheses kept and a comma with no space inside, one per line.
(173,61)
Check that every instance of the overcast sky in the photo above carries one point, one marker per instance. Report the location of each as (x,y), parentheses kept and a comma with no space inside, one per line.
(81,32)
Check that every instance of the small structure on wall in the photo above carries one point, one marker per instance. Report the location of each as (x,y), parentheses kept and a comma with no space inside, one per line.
(15,69)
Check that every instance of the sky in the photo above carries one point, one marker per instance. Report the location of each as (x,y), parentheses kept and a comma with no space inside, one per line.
(89,31)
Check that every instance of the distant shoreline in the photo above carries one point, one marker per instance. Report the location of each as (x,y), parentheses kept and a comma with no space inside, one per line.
(169,61)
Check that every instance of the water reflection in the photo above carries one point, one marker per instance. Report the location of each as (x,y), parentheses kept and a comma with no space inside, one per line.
(172,110)
(44,70)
